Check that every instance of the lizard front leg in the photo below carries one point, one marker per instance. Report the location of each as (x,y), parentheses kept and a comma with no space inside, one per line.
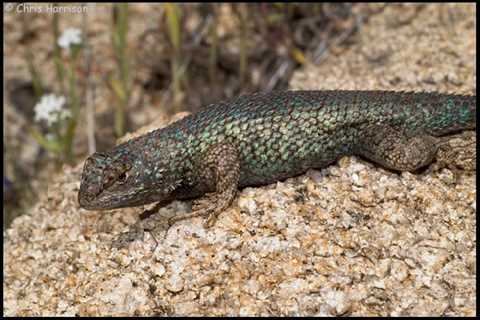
(220,167)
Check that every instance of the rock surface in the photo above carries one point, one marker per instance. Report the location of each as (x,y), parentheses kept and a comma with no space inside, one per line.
(350,239)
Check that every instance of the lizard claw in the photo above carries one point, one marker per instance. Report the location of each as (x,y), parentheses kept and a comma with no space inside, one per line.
(125,238)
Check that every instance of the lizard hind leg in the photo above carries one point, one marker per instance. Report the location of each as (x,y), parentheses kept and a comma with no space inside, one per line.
(393,149)
(219,166)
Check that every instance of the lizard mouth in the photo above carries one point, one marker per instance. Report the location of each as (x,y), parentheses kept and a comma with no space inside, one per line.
(107,200)
(94,198)
(88,195)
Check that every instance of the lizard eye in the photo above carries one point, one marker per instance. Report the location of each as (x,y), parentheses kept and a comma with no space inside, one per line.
(122,177)
(112,178)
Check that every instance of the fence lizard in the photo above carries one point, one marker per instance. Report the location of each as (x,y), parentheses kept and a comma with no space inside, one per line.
(265,137)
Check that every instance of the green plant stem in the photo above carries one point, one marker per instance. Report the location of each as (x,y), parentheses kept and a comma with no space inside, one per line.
(242,14)
(72,121)
(174,31)
(213,56)
(57,53)
(36,79)
(122,87)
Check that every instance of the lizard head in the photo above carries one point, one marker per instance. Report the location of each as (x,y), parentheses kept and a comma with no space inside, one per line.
(120,179)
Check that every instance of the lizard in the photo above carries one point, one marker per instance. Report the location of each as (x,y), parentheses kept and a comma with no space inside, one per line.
(265,137)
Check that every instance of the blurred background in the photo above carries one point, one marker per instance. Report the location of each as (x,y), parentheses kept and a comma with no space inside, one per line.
(80,76)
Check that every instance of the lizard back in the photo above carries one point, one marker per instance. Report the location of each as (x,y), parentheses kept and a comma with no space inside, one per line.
(282,134)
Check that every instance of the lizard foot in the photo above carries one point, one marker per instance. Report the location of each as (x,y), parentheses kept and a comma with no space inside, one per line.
(124,238)
(458,151)
(150,224)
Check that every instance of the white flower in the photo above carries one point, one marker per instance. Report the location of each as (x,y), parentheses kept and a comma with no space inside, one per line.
(50,109)
(64,114)
(70,36)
